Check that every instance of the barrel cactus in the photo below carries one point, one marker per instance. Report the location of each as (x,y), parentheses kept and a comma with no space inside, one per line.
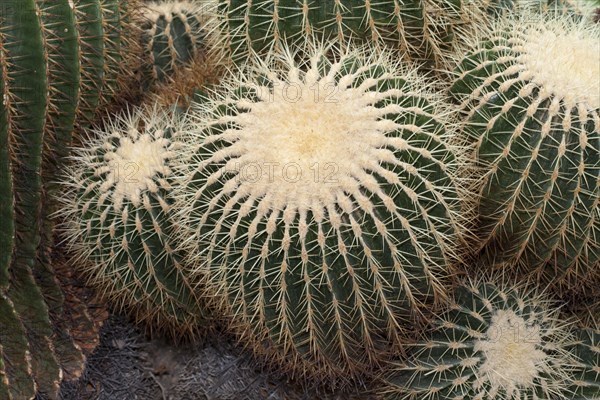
(496,342)
(117,211)
(579,9)
(60,61)
(175,33)
(321,205)
(423,29)
(530,91)
(586,385)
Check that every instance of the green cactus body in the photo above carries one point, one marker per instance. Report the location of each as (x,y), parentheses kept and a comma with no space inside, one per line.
(3,381)
(41,87)
(423,30)
(117,211)
(580,9)
(574,8)
(174,35)
(27,105)
(7,228)
(328,263)
(112,30)
(587,374)
(15,353)
(536,133)
(60,38)
(88,18)
(14,345)
(260,25)
(106,56)
(496,342)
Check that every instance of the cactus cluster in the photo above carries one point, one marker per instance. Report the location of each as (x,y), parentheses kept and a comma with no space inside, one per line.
(530,93)
(321,198)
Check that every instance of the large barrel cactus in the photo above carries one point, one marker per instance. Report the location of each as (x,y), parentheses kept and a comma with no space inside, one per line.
(531,94)
(321,204)
(423,29)
(117,212)
(59,61)
(496,342)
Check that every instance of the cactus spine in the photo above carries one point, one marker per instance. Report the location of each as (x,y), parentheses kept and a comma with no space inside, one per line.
(117,211)
(531,93)
(41,72)
(496,342)
(321,203)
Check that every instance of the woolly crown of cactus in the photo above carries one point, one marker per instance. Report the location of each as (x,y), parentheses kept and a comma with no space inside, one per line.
(497,341)
(322,203)
(117,219)
(530,89)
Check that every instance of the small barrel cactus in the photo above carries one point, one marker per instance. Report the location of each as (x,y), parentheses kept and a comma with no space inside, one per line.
(530,90)
(174,35)
(586,385)
(117,213)
(423,29)
(495,342)
(321,204)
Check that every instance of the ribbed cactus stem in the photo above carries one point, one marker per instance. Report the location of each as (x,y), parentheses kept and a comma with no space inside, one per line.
(322,204)
(422,30)
(44,72)
(530,91)
(26,104)
(175,35)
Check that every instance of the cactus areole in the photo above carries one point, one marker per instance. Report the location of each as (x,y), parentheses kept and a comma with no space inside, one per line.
(323,201)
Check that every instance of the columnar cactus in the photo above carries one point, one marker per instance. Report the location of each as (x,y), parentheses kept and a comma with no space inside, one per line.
(175,33)
(117,214)
(586,383)
(530,90)
(495,342)
(423,28)
(321,204)
(46,52)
